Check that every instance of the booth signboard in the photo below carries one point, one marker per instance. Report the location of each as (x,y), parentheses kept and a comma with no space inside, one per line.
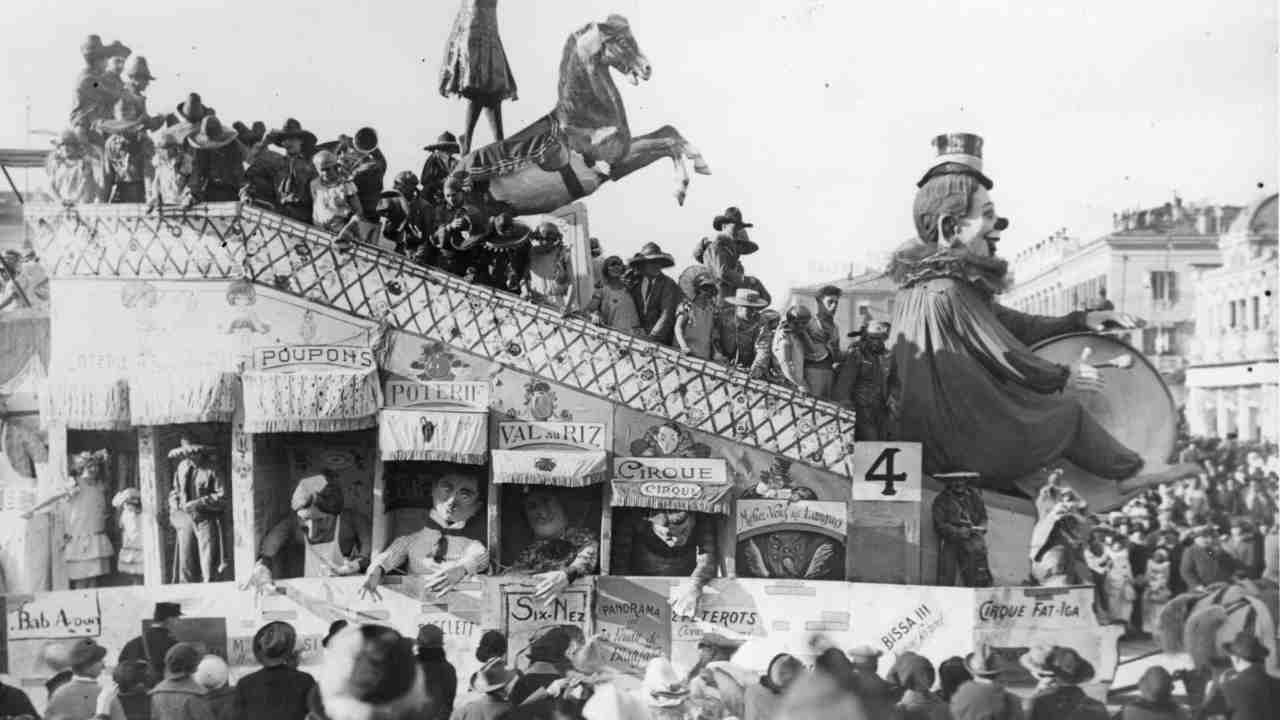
(69,614)
(785,539)
(886,471)
(523,616)
(633,622)
(697,484)
(292,357)
(533,435)
(457,395)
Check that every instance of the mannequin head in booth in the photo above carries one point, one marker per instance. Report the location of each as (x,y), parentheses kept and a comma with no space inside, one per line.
(318,501)
(672,528)
(455,498)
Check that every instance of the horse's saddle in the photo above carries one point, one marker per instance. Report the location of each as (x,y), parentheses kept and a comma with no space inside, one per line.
(543,144)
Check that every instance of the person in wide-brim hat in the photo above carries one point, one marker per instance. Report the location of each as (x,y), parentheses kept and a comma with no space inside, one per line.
(212,135)
(651,252)
(290,130)
(187,448)
(1246,646)
(447,142)
(982,662)
(493,676)
(731,216)
(506,233)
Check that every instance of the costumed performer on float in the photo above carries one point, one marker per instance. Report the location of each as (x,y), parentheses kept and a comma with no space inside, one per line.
(475,67)
(966,384)
(336,538)
(447,549)
(560,552)
(86,548)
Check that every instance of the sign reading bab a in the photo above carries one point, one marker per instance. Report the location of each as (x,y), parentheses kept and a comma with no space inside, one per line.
(54,615)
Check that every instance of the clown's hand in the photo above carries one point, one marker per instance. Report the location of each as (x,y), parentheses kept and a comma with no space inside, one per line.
(686,600)
(369,589)
(260,580)
(446,578)
(1084,376)
(550,585)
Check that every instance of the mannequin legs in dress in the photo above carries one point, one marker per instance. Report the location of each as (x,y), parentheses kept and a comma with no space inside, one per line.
(475,104)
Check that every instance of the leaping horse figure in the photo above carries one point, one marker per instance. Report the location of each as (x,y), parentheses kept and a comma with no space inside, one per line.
(585,141)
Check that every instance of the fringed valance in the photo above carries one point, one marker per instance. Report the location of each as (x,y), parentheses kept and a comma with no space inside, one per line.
(669,495)
(459,437)
(329,401)
(84,402)
(565,468)
(167,398)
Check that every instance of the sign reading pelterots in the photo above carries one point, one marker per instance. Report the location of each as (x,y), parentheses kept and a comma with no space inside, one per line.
(885,471)
(72,614)
(465,395)
(288,357)
(697,484)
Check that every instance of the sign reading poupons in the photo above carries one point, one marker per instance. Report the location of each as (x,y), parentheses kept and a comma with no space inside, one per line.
(283,357)
(73,614)
(461,395)
(671,478)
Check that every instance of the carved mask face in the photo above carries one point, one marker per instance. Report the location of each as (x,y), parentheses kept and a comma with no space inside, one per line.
(455,497)
(545,514)
(667,439)
(672,528)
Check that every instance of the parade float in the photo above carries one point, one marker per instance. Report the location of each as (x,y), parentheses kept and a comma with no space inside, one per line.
(254,420)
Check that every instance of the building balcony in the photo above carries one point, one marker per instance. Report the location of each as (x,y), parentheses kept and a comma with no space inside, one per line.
(1234,346)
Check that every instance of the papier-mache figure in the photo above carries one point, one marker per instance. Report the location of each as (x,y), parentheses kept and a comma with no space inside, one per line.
(1059,536)
(335,538)
(86,548)
(448,549)
(960,519)
(198,504)
(560,552)
(549,276)
(668,542)
(128,502)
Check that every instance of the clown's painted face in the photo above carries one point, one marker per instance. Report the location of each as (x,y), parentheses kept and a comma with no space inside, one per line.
(977,230)
(672,528)
(455,497)
(545,514)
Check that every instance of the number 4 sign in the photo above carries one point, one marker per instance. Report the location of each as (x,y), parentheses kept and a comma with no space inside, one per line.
(886,471)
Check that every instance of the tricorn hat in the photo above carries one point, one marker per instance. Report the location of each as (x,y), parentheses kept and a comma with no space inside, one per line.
(211,134)
(137,67)
(730,215)
(447,142)
(187,448)
(293,129)
(651,252)
(957,153)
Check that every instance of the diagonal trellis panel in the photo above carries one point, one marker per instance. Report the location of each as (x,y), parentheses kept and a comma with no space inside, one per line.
(227,240)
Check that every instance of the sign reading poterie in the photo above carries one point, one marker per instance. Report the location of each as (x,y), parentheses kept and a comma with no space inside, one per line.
(516,435)
(285,357)
(73,614)
(460,394)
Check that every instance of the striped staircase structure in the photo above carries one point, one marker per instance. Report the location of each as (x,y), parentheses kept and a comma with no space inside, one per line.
(225,241)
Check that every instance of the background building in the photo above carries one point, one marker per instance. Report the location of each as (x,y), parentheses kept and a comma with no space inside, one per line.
(1233,375)
(1144,267)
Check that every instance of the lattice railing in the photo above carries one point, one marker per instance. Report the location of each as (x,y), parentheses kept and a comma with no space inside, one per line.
(228,240)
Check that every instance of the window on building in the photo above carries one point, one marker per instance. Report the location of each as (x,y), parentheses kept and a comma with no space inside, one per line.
(1257,313)
(1231,314)
(1164,286)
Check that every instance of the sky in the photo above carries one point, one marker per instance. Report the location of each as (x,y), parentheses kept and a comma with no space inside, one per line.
(815,117)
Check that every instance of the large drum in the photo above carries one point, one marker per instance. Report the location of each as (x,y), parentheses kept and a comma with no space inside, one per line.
(1135,406)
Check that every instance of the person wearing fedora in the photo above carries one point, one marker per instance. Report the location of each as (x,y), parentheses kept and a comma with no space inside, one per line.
(129,149)
(1250,693)
(745,337)
(277,691)
(440,675)
(288,176)
(217,166)
(960,520)
(1062,698)
(78,698)
(156,639)
(696,317)
(984,697)
(462,228)
(964,360)
(494,682)
(197,511)
(722,255)
(862,384)
(171,167)
(189,112)
(656,295)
